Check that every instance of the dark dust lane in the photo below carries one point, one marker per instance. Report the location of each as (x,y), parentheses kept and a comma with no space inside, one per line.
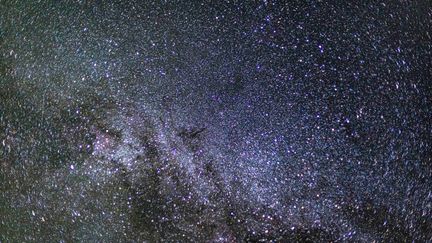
(129,121)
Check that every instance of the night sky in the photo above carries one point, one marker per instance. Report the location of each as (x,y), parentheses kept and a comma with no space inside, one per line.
(215,121)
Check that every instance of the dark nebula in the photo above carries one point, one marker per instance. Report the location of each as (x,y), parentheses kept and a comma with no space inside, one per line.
(215,121)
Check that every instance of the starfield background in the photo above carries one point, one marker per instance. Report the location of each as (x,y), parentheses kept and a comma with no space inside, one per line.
(215,121)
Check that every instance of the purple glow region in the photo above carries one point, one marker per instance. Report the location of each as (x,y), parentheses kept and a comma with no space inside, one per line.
(215,121)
